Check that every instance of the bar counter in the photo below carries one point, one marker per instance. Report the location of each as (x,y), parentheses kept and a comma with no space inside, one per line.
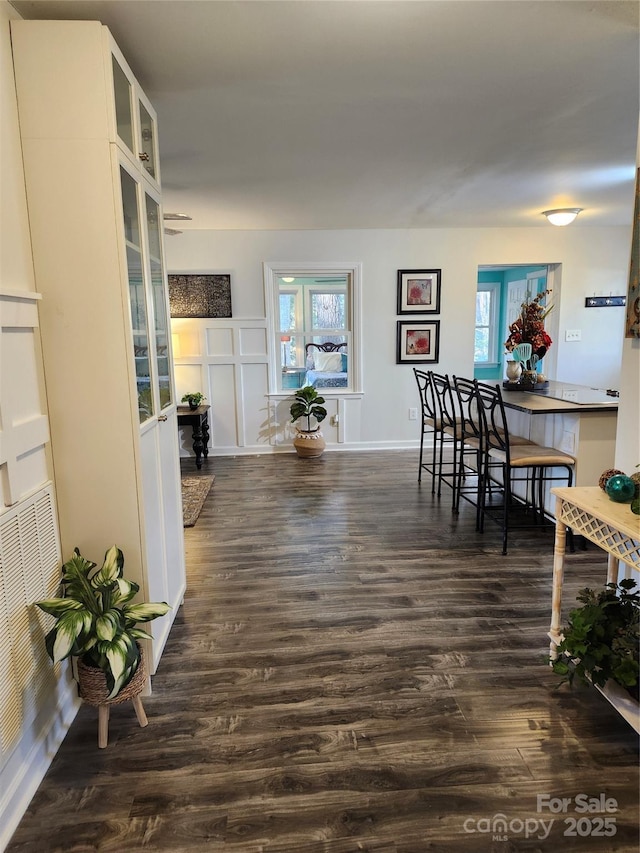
(573,418)
(560,397)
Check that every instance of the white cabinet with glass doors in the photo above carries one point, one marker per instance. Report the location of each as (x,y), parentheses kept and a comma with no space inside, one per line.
(93,189)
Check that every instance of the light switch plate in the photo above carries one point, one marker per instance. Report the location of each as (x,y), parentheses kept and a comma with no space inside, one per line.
(573,335)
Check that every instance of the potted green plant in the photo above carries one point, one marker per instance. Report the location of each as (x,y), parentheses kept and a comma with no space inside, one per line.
(601,640)
(96,620)
(307,403)
(194,399)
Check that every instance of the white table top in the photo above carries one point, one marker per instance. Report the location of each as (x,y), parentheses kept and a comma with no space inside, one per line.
(593,500)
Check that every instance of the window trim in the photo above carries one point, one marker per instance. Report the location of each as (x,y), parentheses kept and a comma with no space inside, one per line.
(271,272)
(493,287)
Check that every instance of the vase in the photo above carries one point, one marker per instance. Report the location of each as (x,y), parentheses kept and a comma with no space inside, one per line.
(309,443)
(514,369)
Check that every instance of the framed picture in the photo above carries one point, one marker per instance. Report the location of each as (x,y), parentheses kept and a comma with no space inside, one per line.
(200,295)
(419,291)
(418,343)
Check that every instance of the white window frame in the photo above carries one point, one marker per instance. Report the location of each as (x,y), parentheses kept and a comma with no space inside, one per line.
(493,287)
(272,272)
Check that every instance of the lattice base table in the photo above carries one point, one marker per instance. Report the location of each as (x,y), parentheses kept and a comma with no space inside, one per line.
(588,511)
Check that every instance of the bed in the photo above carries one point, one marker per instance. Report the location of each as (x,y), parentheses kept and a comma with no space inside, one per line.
(326,365)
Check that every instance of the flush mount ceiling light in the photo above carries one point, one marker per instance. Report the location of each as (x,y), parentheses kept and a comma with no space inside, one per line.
(288,279)
(179,217)
(562,215)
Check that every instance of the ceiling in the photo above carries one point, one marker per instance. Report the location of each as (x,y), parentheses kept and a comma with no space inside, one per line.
(385,113)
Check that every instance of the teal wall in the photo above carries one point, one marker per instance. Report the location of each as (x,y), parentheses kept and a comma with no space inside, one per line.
(497,374)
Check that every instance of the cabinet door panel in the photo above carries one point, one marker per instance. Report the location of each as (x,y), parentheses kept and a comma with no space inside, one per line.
(122,94)
(172,509)
(137,296)
(147,141)
(159,302)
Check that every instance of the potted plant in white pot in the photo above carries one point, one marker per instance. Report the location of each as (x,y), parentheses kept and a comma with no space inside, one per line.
(96,622)
(307,404)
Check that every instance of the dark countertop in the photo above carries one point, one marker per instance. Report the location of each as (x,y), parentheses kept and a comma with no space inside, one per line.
(561,397)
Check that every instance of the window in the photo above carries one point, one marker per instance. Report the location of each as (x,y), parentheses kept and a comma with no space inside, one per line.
(313,326)
(486,343)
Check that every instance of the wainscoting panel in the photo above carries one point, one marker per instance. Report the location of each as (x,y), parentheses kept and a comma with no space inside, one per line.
(222,395)
(227,360)
(253,342)
(24,429)
(219,342)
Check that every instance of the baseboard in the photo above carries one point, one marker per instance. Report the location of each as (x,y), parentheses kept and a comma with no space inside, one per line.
(261,450)
(25,773)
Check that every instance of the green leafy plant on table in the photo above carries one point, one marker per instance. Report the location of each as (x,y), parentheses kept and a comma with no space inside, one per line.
(307,404)
(96,619)
(601,640)
(193,398)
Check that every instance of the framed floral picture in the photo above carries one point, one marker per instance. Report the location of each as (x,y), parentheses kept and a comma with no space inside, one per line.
(418,343)
(419,291)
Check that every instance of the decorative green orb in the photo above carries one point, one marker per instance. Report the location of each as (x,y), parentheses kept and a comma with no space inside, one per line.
(620,488)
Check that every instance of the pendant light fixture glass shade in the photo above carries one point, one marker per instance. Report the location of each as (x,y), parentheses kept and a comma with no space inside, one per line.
(562,215)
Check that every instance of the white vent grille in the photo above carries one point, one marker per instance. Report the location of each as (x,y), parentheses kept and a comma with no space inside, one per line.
(29,571)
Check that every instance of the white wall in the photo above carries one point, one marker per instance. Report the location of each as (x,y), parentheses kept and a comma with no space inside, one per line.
(594,260)
(37,701)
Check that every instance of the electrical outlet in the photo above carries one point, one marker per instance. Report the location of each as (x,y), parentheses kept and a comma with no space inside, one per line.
(413,414)
(567,442)
(573,334)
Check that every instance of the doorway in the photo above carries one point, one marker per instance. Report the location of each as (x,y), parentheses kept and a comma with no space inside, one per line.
(500,292)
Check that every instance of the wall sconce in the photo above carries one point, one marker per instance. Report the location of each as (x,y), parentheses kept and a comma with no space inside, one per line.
(562,215)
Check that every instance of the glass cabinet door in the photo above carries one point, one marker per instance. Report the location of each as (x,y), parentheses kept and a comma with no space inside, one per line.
(122,94)
(159,302)
(147,141)
(137,297)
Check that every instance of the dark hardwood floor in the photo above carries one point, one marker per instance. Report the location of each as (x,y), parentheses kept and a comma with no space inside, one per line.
(353,669)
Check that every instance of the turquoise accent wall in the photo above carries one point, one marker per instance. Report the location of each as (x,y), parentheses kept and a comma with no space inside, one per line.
(497,374)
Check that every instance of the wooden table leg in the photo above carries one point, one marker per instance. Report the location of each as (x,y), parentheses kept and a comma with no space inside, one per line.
(612,569)
(103,726)
(558,578)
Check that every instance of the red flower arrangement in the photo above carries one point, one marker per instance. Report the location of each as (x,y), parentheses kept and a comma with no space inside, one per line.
(528,328)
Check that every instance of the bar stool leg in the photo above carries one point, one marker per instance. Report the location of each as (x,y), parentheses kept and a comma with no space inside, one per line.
(103,726)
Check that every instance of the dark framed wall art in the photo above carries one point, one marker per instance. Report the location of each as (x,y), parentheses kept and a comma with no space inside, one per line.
(418,342)
(199,295)
(419,291)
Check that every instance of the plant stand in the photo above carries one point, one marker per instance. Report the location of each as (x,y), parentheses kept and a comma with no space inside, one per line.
(93,690)
(615,529)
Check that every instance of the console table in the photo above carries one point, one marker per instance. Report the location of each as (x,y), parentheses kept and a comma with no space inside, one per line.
(198,420)
(615,529)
